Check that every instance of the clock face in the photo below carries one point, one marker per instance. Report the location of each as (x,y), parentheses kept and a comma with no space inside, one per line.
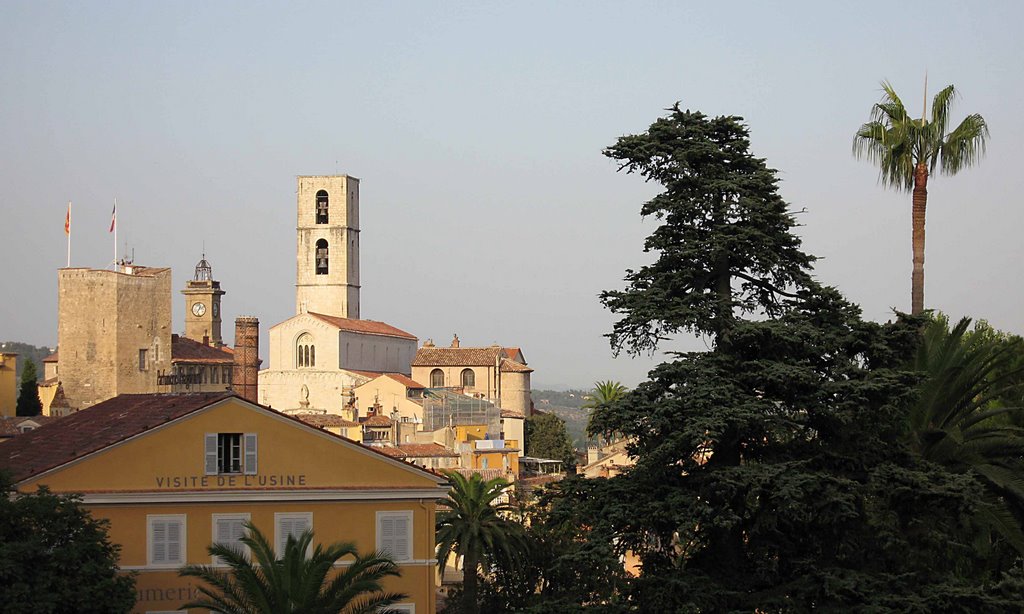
(198,309)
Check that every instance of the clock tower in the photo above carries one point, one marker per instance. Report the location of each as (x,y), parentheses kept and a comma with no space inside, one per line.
(202,306)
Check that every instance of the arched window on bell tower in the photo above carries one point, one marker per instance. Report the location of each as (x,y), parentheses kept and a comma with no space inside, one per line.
(321,257)
(321,207)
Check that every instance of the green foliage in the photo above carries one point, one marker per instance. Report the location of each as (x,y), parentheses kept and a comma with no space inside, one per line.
(298,581)
(724,222)
(962,422)
(898,143)
(546,437)
(472,523)
(772,472)
(55,557)
(26,353)
(28,396)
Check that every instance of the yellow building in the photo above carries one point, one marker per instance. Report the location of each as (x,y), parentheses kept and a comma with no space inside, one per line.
(172,472)
(398,396)
(8,383)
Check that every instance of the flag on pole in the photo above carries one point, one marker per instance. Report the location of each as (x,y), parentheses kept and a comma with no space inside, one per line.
(67,221)
(113,218)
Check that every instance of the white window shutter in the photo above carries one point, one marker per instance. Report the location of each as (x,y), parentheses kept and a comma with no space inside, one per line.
(401,550)
(211,454)
(158,542)
(250,453)
(173,542)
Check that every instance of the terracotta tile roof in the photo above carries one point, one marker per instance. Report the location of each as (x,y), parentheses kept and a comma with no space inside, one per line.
(324,420)
(418,450)
(369,327)
(512,413)
(369,375)
(10,425)
(184,349)
(511,353)
(458,357)
(377,420)
(95,428)
(51,358)
(511,366)
(408,382)
(486,474)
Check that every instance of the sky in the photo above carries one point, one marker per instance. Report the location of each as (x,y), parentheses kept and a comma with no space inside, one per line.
(476,129)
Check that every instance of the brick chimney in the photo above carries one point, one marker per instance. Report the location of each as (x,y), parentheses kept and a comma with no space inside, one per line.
(244,372)
(455,341)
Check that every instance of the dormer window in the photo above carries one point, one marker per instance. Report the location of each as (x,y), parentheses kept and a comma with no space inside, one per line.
(321,207)
(321,257)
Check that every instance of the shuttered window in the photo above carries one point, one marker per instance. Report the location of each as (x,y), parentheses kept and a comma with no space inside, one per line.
(394,534)
(229,529)
(166,537)
(230,453)
(291,524)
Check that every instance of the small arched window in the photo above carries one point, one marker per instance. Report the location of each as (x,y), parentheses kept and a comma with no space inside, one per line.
(321,207)
(305,351)
(468,378)
(436,378)
(321,257)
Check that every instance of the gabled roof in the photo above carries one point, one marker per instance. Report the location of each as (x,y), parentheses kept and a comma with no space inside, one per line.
(52,357)
(11,425)
(366,327)
(184,349)
(123,417)
(95,428)
(406,381)
(429,356)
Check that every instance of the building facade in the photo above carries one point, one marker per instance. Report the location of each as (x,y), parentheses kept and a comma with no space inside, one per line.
(8,383)
(321,354)
(113,331)
(327,246)
(172,473)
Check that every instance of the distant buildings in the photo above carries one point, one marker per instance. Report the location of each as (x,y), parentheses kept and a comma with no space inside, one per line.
(174,473)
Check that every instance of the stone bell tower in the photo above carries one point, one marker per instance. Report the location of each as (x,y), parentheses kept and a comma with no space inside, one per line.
(202,306)
(327,247)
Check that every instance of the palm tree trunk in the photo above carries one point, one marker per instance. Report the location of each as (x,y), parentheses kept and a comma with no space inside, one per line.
(470,602)
(920,203)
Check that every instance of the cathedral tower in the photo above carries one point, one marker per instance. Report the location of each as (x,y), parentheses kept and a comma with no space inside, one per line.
(202,306)
(327,249)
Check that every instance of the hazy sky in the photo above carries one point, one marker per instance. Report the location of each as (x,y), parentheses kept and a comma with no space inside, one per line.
(487,207)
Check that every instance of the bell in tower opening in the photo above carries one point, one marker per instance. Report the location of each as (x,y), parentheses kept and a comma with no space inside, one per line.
(327,245)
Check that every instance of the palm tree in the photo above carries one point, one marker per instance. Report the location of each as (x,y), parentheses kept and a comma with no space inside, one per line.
(470,524)
(296,582)
(605,394)
(907,152)
(958,421)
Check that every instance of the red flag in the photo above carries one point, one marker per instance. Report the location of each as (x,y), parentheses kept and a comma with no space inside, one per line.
(113,218)
(67,220)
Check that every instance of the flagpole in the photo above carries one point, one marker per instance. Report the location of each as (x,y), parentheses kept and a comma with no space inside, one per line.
(67,228)
(114,223)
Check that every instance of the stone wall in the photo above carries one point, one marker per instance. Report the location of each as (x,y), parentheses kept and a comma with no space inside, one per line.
(113,331)
(337,292)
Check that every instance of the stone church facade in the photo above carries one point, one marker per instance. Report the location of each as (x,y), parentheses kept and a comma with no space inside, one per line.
(321,354)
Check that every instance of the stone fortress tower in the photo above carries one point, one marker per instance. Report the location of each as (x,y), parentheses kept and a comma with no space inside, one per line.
(113,331)
(327,250)
(202,306)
